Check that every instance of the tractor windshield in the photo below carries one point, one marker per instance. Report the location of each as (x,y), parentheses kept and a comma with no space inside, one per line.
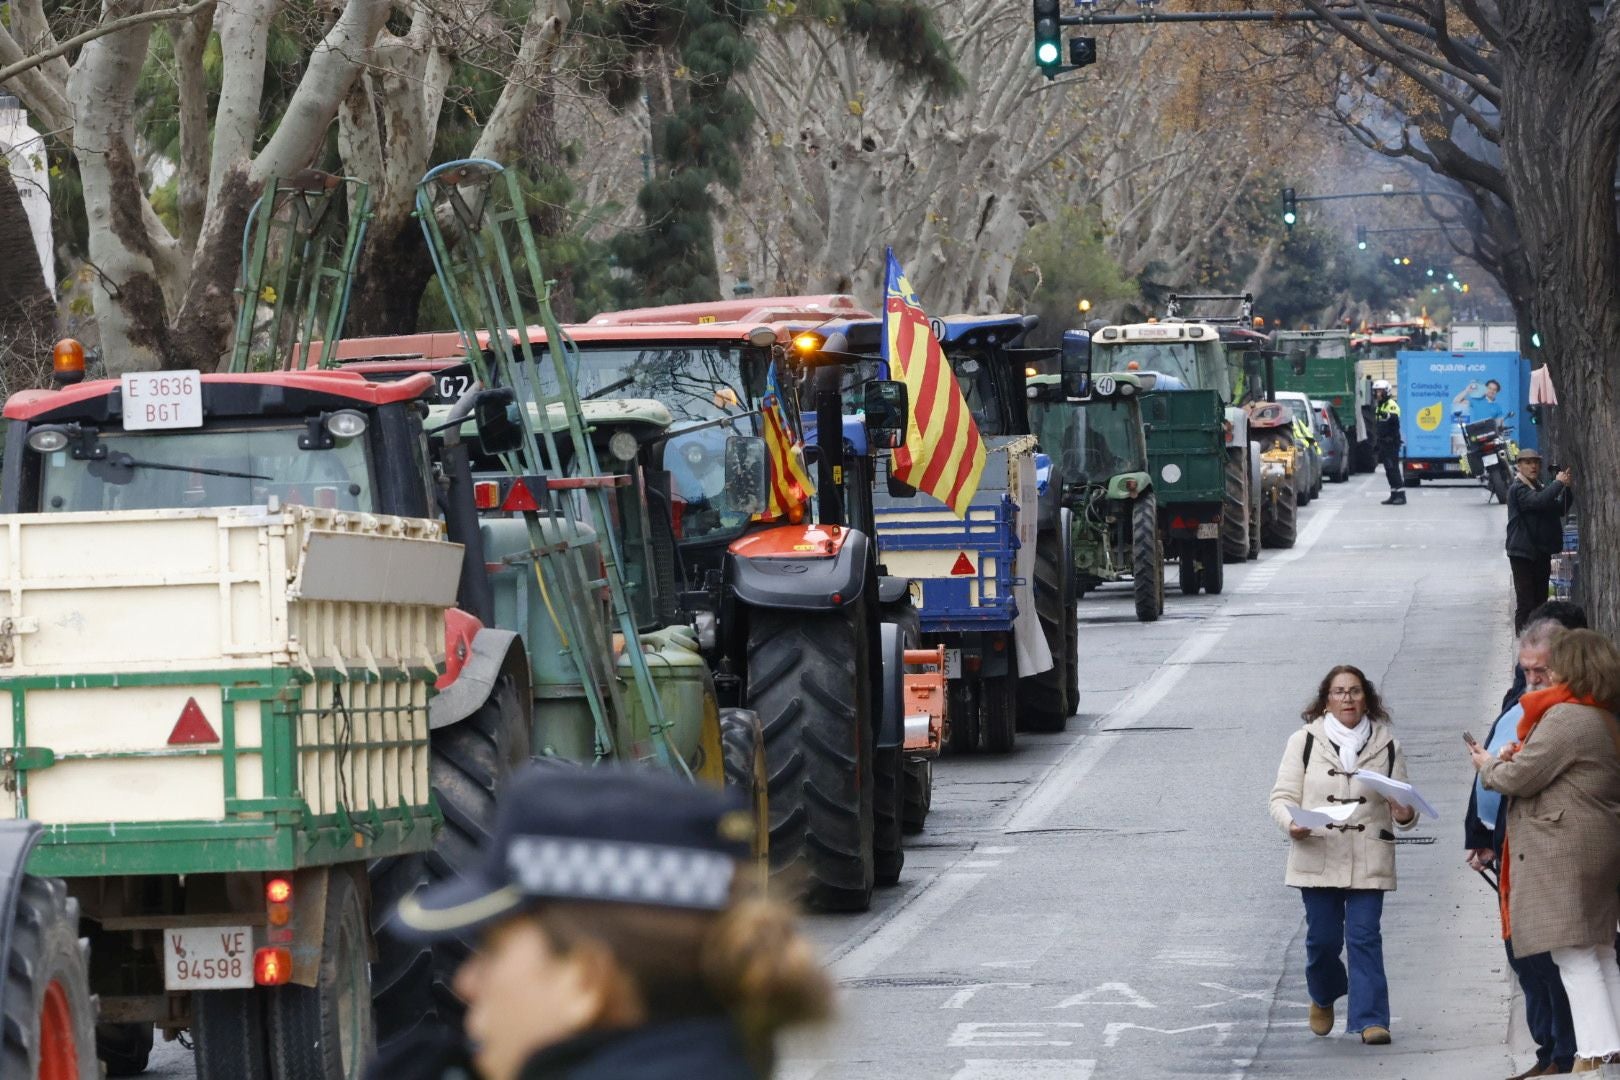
(218,467)
(713,390)
(977,375)
(1108,438)
(1199,365)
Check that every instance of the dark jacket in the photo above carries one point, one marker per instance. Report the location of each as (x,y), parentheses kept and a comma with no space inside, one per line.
(697,1049)
(1535,527)
(1387,418)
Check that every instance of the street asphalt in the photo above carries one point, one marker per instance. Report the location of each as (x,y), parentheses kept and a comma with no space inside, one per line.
(1109,902)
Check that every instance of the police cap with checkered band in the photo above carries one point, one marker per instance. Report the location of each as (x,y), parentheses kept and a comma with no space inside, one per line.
(612,834)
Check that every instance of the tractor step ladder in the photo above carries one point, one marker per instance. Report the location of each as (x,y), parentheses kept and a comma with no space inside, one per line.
(477,227)
(299,249)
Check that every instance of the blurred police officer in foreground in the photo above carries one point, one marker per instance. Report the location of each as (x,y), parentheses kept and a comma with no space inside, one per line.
(620,938)
(1387,423)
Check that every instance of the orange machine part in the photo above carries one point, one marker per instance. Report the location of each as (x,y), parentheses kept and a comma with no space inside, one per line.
(925,693)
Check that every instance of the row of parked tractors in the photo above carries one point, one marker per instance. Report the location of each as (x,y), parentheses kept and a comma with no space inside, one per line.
(359,581)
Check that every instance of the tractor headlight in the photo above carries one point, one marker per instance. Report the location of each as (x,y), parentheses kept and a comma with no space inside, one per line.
(47,440)
(623,446)
(346,424)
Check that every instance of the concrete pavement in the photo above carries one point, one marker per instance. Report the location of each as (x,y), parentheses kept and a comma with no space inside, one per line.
(1109,902)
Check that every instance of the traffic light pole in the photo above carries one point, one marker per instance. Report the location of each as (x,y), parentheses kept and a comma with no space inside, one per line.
(1170,17)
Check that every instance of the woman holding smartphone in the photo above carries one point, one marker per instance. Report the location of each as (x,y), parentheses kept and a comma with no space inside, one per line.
(1344,868)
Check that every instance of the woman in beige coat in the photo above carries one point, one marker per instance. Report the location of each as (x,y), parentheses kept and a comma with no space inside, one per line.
(1561,862)
(1344,868)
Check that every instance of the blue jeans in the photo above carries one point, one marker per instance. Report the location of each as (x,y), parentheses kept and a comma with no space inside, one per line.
(1546,1007)
(1334,919)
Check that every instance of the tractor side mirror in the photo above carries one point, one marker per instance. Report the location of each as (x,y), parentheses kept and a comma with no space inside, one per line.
(747,474)
(888,412)
(1076,369)
(496,415)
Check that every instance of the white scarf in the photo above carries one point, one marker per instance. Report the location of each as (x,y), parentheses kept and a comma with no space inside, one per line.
(1349,740)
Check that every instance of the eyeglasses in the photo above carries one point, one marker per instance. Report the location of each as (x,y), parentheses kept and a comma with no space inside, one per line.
(1347,694)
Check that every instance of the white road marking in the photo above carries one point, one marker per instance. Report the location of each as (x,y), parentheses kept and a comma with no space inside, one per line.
(1118,994)
(930,902)
(960,999)
(1024,1069)
(1265,996)
(1006,1033)
(1113,1032)
(977,864)
(1082,755)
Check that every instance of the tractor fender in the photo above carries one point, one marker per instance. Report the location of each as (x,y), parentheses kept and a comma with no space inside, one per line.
(17,839)
(892,727)
(892,590)
(809,582)
(492,652)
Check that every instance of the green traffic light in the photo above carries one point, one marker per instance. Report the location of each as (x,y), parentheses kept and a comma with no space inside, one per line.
(1289,218)
(1046,53)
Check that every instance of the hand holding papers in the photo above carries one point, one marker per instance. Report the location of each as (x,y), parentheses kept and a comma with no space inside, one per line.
(1322,816)
(1398,790)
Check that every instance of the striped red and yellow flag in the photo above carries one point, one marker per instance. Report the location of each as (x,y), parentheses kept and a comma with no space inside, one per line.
(943,454)
(791,486)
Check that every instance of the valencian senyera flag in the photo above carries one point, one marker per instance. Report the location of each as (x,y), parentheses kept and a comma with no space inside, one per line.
(791,486)
(943,454)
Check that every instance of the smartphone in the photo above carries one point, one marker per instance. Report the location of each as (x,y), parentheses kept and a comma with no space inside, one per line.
(1468,737)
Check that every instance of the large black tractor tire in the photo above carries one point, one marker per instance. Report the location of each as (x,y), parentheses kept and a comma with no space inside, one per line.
(326,1031)
(1043,698)
(230,1034)
(469,761)
(1235,508)
(1187,567)
(47,1016)
(809,680)
(962,701)
(999,705)
(742,756)
(1212,574)
(919,794)
(124,1049)
(1280,527)
(1147,561)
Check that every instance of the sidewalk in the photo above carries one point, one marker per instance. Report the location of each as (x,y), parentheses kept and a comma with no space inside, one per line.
(1455,1004)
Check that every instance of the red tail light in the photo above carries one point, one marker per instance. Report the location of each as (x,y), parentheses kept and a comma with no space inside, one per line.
(278,890)
(487,495)
(192,727)
(520,498)
(272,967)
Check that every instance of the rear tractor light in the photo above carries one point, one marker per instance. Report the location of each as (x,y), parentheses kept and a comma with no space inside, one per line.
(272,967)
(278,901)
(487,495)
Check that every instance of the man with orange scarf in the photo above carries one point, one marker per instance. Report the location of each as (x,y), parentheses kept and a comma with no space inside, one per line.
(1561,858)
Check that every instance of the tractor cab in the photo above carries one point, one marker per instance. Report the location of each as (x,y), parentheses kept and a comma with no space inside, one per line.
(179,440)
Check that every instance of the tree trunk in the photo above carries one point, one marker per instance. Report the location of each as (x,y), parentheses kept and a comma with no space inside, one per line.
(1560,137)
(27,314)
(393,273)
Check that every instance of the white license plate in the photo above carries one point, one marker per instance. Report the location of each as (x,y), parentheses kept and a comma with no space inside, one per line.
(208,958)
(1489,459)
(953,663)
(1209,530)
(162,399)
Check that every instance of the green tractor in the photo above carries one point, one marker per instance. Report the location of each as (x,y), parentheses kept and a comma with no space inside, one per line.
(1101,441)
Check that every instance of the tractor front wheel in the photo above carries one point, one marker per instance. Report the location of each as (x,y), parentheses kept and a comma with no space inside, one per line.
(809,679)
(1147,564)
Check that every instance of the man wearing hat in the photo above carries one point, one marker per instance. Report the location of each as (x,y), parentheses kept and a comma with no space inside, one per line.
(1535,532)
(617,938)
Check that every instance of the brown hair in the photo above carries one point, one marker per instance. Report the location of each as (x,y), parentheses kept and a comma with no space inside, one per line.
(748,962)
(1373,705)
(1589,664)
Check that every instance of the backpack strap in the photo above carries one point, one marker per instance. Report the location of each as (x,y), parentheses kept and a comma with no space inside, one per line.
(1310,740)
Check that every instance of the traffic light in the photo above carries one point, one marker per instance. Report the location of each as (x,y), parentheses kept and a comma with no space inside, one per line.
(1082,51)
(1048,37)
(1361,238)
(1290,208)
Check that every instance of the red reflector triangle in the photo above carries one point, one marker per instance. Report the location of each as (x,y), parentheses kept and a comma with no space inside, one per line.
(192,727)
(963,565)
(519,497)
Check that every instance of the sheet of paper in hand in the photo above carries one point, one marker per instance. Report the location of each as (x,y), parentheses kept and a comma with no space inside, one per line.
(1399,790)
(1322,816)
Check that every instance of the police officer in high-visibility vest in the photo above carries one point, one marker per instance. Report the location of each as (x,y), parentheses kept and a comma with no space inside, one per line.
(1387,415)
